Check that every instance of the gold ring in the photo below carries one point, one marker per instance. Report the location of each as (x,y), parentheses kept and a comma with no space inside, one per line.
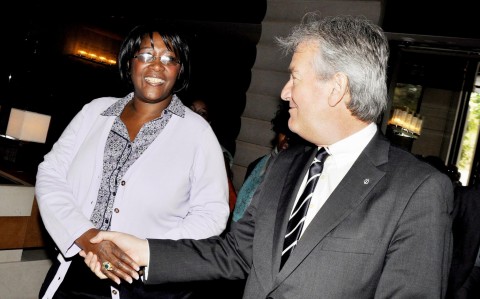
(107,266)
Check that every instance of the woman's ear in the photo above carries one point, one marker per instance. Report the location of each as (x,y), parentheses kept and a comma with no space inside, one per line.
(339,90)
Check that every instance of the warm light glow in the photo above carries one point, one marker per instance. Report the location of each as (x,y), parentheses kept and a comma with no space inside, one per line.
(95,57)
(407,121)
(90,44)
(28,126)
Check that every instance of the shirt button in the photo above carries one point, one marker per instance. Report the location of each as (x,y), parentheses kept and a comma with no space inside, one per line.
(116,210)
(114,292)
(123,183)
(114,193)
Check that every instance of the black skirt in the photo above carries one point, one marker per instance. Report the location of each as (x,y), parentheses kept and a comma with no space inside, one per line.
(81,282)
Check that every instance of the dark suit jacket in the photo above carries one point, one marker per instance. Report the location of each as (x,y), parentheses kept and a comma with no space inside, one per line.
(464,280)
(385,232)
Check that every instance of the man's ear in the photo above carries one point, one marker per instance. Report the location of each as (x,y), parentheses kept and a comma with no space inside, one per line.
(339,90)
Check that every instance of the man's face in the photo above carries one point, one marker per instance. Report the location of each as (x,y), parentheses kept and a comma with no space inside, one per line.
(307,96)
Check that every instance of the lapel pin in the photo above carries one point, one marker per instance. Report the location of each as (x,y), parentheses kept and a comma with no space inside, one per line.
(366,181)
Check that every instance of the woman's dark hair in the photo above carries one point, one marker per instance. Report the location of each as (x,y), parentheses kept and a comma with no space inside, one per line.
(173,39)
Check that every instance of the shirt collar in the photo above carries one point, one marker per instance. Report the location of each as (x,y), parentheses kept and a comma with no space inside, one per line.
(176,106)
(355,143)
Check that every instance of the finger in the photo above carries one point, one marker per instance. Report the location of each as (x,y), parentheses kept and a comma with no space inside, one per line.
(92,262)
(119,273)
(125,272)
(89,260)
(121,265)
(97,238)
(116,269)
(109,273)
(98,271)
(113,277)
(126,264)
(96,267)
(102,236)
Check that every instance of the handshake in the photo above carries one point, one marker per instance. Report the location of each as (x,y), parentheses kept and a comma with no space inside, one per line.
(117,256)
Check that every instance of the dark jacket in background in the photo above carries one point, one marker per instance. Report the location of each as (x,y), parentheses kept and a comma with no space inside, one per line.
(464,280)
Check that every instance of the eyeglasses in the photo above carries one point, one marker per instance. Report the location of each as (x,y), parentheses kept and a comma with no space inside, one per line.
(164,59)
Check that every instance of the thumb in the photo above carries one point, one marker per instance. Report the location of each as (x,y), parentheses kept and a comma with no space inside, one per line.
(97,238)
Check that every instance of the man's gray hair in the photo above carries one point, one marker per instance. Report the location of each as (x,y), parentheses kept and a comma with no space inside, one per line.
(354,46)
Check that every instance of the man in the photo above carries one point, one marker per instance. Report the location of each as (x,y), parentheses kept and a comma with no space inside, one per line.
(378,224)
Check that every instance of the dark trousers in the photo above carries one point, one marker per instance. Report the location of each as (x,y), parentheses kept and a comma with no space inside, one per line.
(81,282)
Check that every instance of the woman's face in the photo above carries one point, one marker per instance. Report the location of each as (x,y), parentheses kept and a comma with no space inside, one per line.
(153,81)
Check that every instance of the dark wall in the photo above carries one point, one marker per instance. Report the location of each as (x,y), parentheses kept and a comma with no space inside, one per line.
(37,76)
(457,18)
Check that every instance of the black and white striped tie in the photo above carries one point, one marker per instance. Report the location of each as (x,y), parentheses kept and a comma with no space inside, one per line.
(299,212)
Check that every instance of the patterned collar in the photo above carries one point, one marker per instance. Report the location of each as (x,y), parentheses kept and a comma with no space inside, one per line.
(176,106)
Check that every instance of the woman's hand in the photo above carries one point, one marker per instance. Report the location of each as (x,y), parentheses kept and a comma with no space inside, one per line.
(106,259)
(92,262)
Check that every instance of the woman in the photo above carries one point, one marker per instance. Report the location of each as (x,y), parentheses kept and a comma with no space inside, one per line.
(143,164)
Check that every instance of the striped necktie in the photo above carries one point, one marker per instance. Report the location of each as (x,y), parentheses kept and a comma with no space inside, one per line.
(299,212)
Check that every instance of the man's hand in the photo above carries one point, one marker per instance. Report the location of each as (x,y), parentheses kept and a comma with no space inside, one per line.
(103,250)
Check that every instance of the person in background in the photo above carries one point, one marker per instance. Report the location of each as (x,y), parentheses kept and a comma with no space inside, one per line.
(223,289)
(450,170)
(143,164)
(464,279)
(376,225)
(256,169)
(199,106)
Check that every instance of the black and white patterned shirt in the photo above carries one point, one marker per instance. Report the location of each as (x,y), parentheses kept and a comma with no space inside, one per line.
(120,154)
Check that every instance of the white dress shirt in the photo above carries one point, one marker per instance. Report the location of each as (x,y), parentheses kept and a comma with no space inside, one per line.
(342,156)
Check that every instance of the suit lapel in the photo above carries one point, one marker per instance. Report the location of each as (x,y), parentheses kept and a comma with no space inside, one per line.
(352,190)
(279,183)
